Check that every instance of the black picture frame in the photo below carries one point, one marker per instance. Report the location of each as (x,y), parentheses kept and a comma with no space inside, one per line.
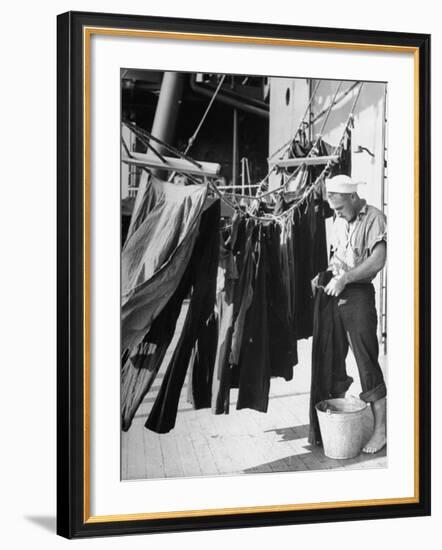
(73,518)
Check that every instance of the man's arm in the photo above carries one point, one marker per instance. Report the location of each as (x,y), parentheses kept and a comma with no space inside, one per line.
(369,267)
(365,270)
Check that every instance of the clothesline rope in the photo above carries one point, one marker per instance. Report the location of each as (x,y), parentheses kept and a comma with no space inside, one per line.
(237,208)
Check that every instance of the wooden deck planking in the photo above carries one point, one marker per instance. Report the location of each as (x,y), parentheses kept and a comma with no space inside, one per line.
(136,465)
(124,442)
(210,432)
(270,449)
(202,450)
(171,456)
(154,454)
(243,441)
(252,450)
(188,457)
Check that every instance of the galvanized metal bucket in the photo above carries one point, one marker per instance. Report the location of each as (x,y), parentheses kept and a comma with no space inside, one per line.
(340,422)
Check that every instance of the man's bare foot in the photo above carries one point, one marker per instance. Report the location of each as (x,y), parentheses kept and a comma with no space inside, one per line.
(376,442)
(379,438)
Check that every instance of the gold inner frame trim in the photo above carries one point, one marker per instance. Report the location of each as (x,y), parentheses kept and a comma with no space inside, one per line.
(87,33)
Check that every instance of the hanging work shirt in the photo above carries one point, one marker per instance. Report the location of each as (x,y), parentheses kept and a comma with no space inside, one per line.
(353,242)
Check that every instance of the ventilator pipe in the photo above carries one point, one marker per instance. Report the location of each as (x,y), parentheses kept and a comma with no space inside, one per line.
(166,113)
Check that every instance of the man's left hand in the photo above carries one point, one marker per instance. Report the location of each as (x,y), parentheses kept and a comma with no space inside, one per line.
(335,286)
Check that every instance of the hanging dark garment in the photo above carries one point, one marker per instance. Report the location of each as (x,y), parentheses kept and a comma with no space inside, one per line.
(231,300)
(204,271)
(221,382)
(319,212)
(225,312)
(300,149)
(226,283)
(281,335)
(254,365)
(308,175)
(259,301)
(291,263)
(343,164)
(287,261)
(159,245)
(286,273)
(302,252)
(310,254)
(244,250)
(329,376)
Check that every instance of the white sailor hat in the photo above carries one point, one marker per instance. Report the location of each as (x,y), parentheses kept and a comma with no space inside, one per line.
(342,184)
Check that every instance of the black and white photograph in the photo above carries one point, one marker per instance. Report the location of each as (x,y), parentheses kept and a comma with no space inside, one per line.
(254,284)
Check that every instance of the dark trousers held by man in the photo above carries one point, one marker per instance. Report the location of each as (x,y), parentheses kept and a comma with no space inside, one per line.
(339,322)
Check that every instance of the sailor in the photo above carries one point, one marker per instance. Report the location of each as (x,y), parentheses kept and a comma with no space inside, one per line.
(359,249)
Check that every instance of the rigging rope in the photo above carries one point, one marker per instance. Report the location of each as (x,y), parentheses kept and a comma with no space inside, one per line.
(146,143)
(328,114)
(215,93)
(286,145)
(300,124)
(267,217)
(312,150)
(319,179)
(149,136)
(338,100)
(198,128)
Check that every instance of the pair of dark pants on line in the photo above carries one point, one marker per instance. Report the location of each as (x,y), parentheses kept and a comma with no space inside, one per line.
(283,351)
(254,363)
(339,322)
